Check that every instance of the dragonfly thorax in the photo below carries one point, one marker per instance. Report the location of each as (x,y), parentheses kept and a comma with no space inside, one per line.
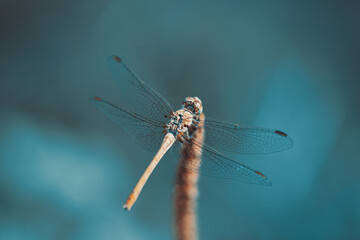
(180,121)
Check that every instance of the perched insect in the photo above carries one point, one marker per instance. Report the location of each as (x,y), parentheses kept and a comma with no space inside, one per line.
(157,127)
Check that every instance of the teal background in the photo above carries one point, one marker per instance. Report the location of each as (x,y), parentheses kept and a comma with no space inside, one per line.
(66,170)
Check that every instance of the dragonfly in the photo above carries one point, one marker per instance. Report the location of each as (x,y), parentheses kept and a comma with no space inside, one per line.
(156,127)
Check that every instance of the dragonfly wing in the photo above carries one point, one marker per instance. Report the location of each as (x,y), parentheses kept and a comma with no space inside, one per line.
(140,95)
(243,139)
(175,150)
(214,164)
(147,133)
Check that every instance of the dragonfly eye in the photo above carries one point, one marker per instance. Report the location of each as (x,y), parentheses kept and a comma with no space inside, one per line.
(198,105)
(188,101)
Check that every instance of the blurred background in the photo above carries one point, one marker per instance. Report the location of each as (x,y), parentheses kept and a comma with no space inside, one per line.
(66,170)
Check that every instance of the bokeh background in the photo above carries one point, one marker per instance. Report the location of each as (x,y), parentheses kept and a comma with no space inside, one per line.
(66,170)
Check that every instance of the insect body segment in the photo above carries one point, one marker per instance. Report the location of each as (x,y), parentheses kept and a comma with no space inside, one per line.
(179,123)
(193,104)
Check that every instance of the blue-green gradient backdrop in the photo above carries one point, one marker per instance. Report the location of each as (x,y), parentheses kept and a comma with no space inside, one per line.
(66,170)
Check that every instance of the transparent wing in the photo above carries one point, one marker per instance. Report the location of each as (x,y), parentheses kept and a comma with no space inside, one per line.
(243,139)
(147,133)
(214,164)
(141,96)
(175,150)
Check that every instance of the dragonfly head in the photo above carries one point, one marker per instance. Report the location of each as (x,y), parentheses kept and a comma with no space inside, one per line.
(193,104)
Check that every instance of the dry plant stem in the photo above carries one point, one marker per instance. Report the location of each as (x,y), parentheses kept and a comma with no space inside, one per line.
(186,188)
(167,143)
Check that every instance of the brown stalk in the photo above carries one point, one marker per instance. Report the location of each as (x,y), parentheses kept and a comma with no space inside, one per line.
(186,190)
